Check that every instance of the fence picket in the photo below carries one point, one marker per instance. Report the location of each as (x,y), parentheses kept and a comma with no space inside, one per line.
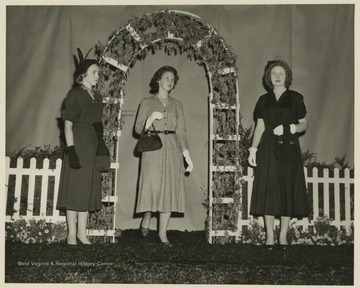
(44,186)
(337,219)
(7,166)
(250,181)
(314,180)
(347,197)
(18,182)
(305,224)
(56,186)
(326,192)
(31,188)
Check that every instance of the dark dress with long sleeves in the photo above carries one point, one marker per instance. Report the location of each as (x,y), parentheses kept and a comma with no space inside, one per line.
(80,189)
(279,187)
(161,183)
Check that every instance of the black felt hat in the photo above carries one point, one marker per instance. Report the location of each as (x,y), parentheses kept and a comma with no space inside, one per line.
(83,64)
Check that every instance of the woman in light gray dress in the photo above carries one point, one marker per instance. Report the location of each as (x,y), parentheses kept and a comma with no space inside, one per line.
(161,185)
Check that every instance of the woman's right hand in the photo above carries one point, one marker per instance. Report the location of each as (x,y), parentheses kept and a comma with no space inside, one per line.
(157,115)
(252,156)
(154,116)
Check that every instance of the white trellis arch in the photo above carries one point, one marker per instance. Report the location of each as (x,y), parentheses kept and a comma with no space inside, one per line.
(177,32)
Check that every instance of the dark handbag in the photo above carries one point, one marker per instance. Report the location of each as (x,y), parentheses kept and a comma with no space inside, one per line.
(286,149)
(102,158)
(149,141)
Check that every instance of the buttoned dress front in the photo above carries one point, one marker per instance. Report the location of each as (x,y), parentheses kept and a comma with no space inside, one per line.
(279,188)
(161,183)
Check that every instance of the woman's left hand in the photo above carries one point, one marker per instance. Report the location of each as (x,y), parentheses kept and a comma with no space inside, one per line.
(279,130)
(188,160)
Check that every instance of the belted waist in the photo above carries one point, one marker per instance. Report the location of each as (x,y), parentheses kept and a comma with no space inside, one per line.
(166,132)
(83,124)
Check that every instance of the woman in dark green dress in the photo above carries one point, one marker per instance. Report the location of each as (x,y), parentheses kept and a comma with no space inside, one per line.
(279,188)
(80,182)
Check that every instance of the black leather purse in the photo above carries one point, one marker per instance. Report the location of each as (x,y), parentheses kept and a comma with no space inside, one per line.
(286,149)
(149,141)
(102,158)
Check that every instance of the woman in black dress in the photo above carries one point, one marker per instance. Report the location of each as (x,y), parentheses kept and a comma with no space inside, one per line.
(80,182)
(279,185)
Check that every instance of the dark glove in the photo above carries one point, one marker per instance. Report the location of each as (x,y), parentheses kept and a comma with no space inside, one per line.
(73,158)
(99,128)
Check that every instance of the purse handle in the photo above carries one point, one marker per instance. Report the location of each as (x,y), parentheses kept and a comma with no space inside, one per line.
(152,124)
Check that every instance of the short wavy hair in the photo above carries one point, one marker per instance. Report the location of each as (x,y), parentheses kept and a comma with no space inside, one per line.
(82,68)
(154,84)
(267,75)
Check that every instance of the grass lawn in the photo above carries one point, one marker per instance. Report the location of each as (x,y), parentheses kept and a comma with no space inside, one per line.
(191,260)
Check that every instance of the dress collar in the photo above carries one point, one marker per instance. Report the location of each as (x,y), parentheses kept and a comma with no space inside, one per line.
(170,99)
(282,96)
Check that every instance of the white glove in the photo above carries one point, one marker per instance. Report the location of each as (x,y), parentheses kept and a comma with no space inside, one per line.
(252,156)
(188,161)
(157,115)
(292,128)
(279,130)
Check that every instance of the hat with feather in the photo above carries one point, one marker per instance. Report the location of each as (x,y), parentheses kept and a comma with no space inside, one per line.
(83,64)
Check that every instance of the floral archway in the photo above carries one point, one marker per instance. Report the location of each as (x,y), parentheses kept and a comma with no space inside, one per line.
(177,32)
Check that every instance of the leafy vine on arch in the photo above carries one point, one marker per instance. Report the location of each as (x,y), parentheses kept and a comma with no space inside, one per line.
(175,32)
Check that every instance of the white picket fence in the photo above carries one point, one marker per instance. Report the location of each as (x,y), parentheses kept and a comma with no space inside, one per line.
(46,200)
(32,172)
(331,197)
(342,190)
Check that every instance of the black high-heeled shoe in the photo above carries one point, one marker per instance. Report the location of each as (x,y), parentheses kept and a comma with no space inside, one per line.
(167,244)
(283,246)
(144,231)
(71,245)
(269,246)
(78,241)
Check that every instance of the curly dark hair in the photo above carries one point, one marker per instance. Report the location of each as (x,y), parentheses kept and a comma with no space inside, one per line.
(267,75)
(154,85)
